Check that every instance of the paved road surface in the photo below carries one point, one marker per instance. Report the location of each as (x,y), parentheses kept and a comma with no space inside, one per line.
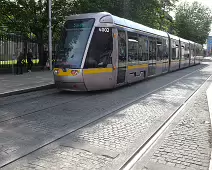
(52,130)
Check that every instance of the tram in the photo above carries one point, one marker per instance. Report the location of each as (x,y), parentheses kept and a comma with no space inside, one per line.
(101,51)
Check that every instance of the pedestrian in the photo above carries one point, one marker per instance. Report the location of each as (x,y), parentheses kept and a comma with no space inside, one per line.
(29,60)
(45,58)
(19,63)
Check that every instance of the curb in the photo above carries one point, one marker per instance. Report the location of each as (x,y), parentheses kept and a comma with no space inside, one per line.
(209,97)
(26,90)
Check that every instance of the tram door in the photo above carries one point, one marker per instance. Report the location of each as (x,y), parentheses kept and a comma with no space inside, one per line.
(165,55)
(152,56)
(122,57)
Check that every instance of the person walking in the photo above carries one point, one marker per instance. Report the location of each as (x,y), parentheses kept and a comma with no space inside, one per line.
(45,58)
(19,63)
(29,60)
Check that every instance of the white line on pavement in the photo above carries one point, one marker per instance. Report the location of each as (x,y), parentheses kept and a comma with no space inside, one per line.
(209,97)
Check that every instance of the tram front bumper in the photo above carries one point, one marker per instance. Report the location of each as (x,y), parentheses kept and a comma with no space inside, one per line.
(70,86)
(71,80)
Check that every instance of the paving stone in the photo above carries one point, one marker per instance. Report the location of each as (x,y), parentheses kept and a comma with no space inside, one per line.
(170,164)
(162,161)
(191,137)
(117,132)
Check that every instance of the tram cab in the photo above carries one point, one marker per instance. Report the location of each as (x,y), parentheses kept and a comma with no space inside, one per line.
(85,58)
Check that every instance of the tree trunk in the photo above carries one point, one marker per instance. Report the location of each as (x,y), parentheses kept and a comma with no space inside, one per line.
(25,47)
(40,48)
(40,51)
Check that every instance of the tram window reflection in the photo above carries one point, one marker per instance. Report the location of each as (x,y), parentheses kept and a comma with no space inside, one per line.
(152,49)
(132,48)
(100,50)
(159,49)
(143,48)
(122,46)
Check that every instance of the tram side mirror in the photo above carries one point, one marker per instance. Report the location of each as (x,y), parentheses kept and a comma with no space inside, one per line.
(103,63)
(100,64)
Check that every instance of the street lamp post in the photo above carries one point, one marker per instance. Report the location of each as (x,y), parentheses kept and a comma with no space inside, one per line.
(50,34)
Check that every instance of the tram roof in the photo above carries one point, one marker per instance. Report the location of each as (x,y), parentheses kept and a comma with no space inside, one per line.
(191,42)
(184,40)
(109,18)
(119,21)
(134,25)
(174,37)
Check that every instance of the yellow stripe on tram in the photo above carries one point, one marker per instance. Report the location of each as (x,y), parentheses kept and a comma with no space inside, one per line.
(137,66)
(97,70)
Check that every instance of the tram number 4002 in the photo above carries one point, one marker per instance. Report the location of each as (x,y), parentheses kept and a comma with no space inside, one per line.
(104,30)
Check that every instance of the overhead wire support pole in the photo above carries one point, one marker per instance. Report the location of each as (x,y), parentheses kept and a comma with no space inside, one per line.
(50,34)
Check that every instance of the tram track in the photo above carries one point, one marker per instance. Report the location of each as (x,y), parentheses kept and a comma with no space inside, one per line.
(21,98)
(72,98)
(8,100)
(144,148)
(56,94)
(97,119)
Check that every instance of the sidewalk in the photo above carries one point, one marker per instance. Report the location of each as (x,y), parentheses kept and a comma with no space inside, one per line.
(187,143)
(15,84)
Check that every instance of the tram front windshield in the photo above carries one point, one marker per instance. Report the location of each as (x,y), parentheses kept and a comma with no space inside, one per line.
(73,43)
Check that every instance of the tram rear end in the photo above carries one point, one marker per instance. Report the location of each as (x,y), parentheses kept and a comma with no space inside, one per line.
(85,53)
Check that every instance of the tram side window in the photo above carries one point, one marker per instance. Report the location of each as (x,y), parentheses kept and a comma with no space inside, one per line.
(159,49)
(177,51)
(152,49)
(173,50)
(132,48)
(192,50)
(143,48)
(165,49)
(186,51)
(195,51)
(183,52)
(122,46)
(100,50)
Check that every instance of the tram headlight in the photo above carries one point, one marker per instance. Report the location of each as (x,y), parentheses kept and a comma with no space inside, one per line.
(56,72)
(74,72)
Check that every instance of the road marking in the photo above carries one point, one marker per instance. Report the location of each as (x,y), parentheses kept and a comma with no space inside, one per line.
(209,97)
(155,137)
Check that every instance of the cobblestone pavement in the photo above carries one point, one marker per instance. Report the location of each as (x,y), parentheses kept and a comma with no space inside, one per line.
(65,158)
(188,142)
(109,140)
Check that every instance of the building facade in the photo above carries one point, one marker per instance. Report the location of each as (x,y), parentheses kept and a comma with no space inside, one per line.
(209,46)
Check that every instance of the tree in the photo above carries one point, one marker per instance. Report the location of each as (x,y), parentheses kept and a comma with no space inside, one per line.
(165,20)
(30,16)
(146,12)
(193,22)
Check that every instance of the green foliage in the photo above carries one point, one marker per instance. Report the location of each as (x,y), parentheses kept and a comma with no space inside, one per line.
(30,16)
(152,13)
(193,22)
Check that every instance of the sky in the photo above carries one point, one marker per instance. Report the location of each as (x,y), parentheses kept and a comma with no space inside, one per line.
(207,3)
